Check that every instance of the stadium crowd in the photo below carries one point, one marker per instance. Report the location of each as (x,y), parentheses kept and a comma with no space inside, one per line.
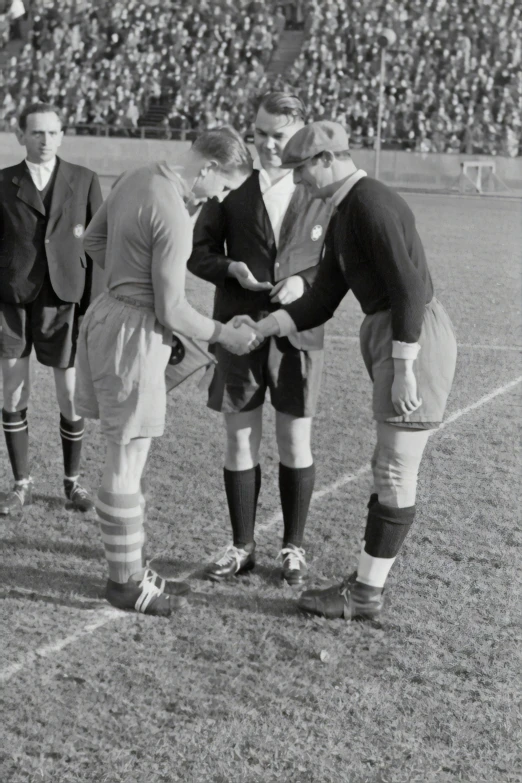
(453,80)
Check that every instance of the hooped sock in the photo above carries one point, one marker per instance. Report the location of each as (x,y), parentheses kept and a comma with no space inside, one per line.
(71,434)
(121,523)
(16,432)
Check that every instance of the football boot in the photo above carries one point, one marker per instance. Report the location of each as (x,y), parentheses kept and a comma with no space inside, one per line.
(232,562)
(12,503)
(295,570)
(351,599)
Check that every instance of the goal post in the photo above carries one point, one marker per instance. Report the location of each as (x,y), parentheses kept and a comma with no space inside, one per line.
(481,177)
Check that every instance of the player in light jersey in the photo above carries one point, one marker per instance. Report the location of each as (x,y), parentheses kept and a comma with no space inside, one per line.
(142,236)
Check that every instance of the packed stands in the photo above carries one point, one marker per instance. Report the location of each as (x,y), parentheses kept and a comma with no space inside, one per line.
(453,78)
(105,63)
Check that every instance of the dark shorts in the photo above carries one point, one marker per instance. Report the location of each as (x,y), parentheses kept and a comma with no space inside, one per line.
(293,377)
(434,366)
(47,323)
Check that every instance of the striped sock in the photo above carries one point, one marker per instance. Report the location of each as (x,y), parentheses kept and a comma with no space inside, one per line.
(71,433)
(121,522)
(16,433)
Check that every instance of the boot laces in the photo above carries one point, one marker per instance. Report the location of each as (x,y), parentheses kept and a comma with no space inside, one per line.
(294,556)
(231,554)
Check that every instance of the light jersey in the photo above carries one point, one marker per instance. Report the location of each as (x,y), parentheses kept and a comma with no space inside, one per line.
(145,219)
(146,214)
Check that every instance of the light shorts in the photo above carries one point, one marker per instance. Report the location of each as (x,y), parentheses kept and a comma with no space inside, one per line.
(293,377)
(121,358)
(434,366)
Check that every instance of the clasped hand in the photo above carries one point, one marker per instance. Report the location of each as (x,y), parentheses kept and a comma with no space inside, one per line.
(240,338)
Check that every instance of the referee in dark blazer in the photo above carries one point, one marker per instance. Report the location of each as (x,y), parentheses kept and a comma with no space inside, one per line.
(260,247)
(45,287)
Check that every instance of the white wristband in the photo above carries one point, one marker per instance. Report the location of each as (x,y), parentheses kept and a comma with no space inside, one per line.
(402,350)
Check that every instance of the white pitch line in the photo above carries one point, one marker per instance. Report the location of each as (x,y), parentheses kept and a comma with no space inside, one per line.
(339,338)
(348,478)
(106,615)
(479,403)
(102,618)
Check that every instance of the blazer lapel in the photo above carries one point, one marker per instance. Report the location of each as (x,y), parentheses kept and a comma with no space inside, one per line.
(294,207)
(62,193)
(260,211)
(27,190)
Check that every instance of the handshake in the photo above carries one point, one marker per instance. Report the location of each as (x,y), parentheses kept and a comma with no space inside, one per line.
(242,335)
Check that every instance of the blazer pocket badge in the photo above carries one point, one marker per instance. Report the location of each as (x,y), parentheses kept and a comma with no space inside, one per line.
(78,230)
(316,233)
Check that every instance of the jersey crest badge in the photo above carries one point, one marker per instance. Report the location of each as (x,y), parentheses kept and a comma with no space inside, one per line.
(316,233)
(78,230)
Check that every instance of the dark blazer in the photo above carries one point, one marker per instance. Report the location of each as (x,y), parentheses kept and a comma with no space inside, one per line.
(239,229)
(29,237)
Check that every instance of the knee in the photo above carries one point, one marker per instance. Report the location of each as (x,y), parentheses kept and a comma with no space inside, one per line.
(294,443)
(395,477)
(16,395)
(295,452)
(242,450)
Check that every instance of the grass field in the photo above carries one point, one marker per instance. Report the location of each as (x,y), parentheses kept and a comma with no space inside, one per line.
(240,687)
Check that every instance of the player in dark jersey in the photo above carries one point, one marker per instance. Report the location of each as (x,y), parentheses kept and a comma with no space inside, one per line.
(407,341)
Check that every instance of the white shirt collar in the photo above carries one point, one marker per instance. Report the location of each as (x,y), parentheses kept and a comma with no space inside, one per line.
(345,188)
(286,183)
(48,165)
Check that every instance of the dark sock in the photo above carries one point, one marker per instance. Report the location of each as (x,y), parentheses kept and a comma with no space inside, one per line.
(242,490)
(16,433)
(295,486)
(71,433)
(386,529)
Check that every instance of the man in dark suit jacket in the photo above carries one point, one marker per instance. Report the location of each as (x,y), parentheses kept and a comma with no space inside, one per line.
(45,285)
(260,247)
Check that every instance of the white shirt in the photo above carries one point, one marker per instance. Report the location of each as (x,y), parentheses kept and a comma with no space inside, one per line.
(276,197)
(41,173)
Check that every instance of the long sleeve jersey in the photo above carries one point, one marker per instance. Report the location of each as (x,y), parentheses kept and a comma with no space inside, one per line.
(372,248)
(143,223)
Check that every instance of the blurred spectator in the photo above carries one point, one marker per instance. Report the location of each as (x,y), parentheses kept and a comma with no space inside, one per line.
(15,14)
(453,79)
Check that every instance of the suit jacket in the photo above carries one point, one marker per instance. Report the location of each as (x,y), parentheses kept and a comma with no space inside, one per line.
(31,241)
(239,229)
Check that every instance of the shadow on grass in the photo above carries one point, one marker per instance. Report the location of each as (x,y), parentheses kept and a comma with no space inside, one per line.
(60,503)
(19,543)
(253,603)
(35,584)
(172,568)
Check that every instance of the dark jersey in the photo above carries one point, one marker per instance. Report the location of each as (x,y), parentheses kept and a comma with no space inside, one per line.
(372,248)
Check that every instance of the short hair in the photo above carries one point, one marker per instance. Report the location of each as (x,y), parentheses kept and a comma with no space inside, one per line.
(282,104)
(226,147)
(37,108)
